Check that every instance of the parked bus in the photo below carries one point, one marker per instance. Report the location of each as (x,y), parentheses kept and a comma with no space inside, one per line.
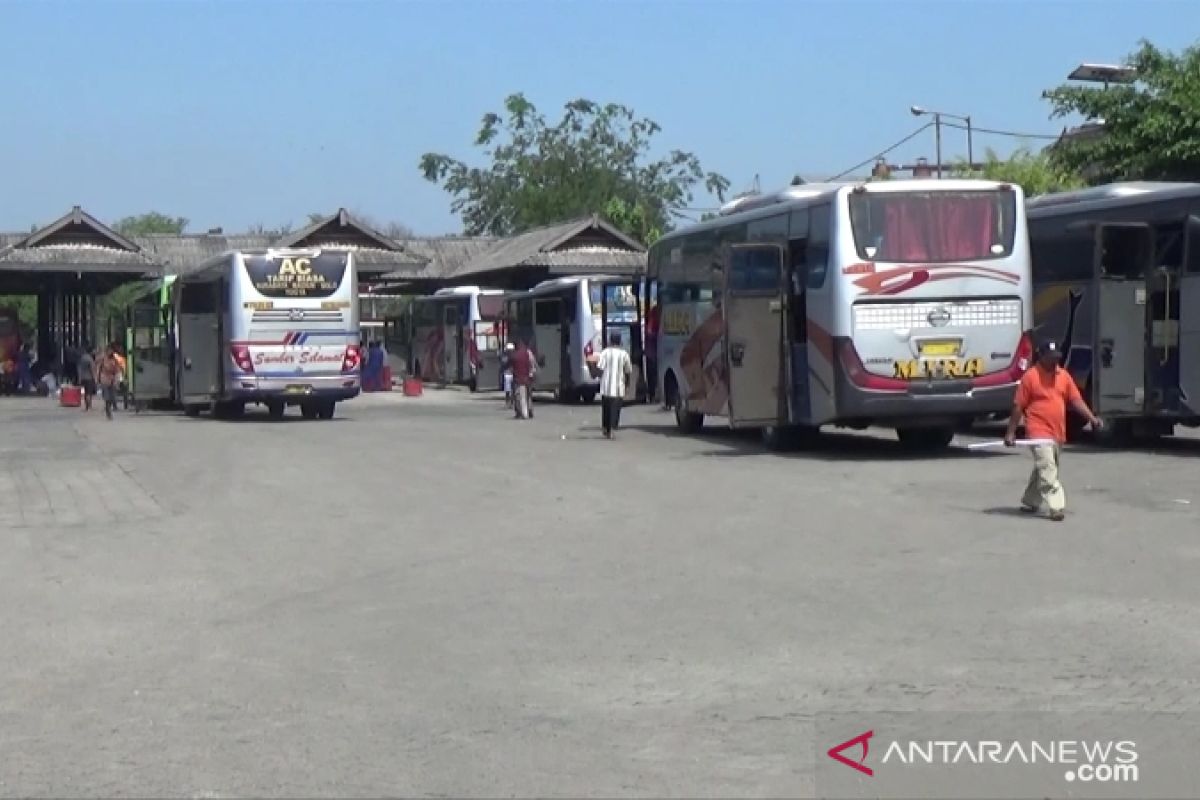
(1116,273)
(277,327)
(567,321)
(455,337)
(904,304)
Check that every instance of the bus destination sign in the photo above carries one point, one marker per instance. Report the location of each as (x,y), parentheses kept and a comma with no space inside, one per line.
(296,276)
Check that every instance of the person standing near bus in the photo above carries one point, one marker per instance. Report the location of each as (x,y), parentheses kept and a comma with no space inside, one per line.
(615,368)
(87,375)
(108,375)
(1042,398)
(524,369)
(506,373)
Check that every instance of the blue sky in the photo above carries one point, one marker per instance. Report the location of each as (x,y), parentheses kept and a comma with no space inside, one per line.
(238,112)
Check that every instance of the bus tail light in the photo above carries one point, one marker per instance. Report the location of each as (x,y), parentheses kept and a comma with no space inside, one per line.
(353,358)
(858,374)
(241,357)
(1014,371)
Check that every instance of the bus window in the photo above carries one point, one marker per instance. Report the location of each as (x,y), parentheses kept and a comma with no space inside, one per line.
(547,312)
(1192,247)
(817,247)
(754,269)
(490,306)
(933,227)
(525,313)
(198,298)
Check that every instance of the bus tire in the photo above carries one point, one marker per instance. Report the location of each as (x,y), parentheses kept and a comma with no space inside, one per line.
(587,396)
(925,440)
(325,410)
(275,409)
(191,410)
(776,438)
(687,421)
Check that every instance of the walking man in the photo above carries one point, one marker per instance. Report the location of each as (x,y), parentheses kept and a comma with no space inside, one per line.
(108,375)
(1042,399)
(524,369)
(87,376)
(615,368)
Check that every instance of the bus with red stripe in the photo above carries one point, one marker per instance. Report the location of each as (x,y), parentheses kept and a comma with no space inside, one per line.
(276,327)
(901,304)
(455,336)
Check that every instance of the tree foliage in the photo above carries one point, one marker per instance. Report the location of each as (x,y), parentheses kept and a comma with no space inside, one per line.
(1036,173)
(595,160)
(150,223)
(1151,127)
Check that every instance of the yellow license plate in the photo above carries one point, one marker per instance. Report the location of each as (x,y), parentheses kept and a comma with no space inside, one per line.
(296,388)
(939,348)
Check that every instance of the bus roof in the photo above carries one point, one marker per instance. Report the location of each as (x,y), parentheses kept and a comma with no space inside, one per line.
(753,207)
(464,290)
(1112,195)
(555,284)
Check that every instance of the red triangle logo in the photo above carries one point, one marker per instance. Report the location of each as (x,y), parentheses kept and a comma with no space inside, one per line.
(863,739)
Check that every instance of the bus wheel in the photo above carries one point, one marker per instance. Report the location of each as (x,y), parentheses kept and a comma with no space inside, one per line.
(925,439)
(587,396)
(777,437)
(275,409)
(191,410)
(325,410)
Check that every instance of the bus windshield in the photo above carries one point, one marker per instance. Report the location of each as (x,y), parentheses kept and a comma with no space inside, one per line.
(296,276)
(933,227)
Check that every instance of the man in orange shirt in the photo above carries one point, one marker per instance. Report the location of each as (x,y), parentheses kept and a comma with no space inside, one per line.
(1042,398)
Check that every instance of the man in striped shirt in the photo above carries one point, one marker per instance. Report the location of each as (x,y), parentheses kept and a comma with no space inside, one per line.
(615,369)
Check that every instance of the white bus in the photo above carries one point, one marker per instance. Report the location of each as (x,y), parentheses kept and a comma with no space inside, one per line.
(568,320)
(1116,280)
(455,338)
(904,304)
(275,327)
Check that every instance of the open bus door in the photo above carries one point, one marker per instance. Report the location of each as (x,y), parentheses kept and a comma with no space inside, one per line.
(621,312)
(487,347)
(551,333)
(1189,317)
(149,345)
(753,319)
(1123,259)
(199,348)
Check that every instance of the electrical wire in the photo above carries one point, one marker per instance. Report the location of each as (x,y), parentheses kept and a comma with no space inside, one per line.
(883,152)
(994,132)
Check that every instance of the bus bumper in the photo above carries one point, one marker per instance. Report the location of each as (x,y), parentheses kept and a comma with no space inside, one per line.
(295,390)
(923,404)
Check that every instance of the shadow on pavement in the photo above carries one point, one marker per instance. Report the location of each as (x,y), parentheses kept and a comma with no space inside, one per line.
(825,446)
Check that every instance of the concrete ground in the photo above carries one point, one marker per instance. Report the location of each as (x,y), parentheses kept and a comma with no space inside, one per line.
(425,597)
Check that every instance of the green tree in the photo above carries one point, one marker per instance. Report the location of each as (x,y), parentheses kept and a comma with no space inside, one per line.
(593,160)
(1151,127)
(150,223)
(1036,173)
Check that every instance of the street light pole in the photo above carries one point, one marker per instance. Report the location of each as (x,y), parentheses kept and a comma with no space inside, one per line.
(937,139)
(918,111)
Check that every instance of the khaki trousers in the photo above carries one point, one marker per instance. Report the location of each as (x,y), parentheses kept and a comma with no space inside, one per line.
(1044,485)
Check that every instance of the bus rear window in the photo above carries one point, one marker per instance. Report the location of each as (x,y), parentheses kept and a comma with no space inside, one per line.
(296,276)
(490,306)
(933,227)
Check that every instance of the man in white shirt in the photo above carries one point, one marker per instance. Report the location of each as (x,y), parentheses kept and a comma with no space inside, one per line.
(615,368)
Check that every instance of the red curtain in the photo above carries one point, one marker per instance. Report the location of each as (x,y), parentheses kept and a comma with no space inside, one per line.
(933,228)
